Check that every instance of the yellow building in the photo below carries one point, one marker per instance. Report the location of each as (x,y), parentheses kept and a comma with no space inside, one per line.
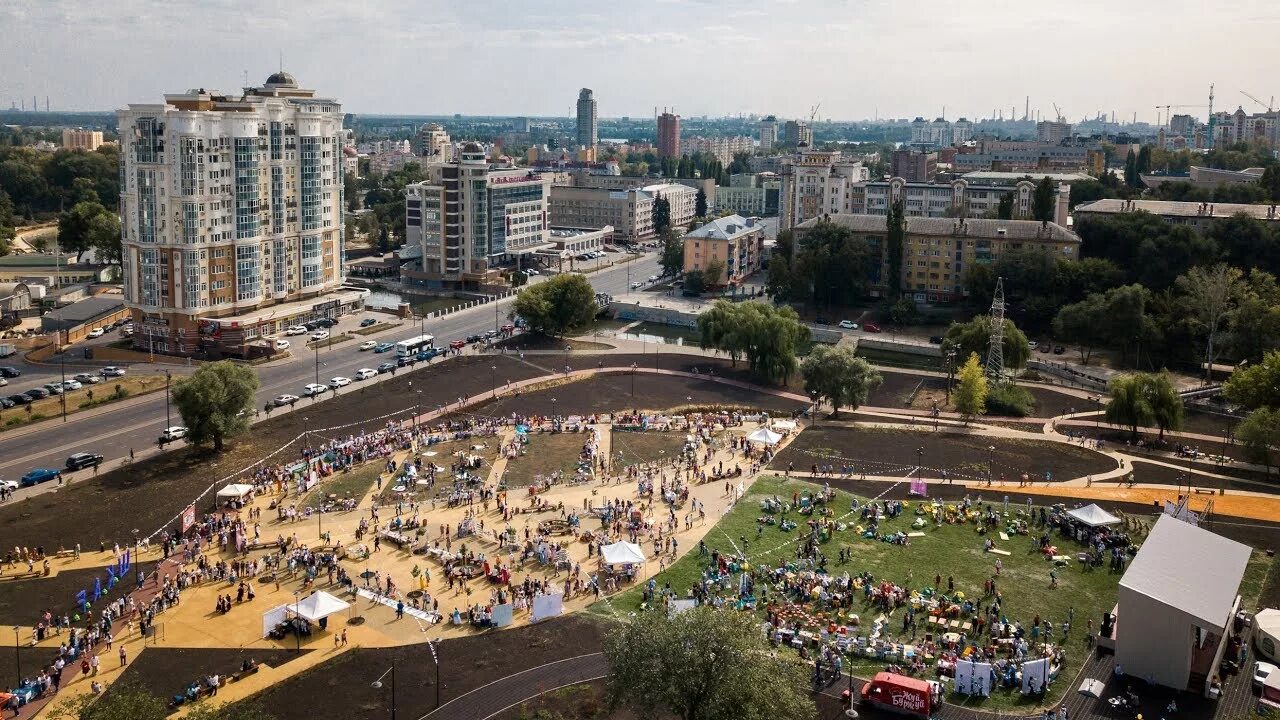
(80,139)
(936,251)
(737,243)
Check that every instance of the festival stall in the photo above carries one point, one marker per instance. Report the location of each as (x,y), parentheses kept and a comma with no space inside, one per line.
(765,436)
(623,558)
(297,617)
(1267,633)
(1093,516)
(235,494)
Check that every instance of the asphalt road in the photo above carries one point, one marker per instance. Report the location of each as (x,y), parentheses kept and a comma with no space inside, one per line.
(139,423)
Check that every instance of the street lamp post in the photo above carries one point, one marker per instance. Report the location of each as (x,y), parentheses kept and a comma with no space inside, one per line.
(920,461)
(297,632)
(951,359)
(633,379)
(62,360)
(377,685)
(435,658)
(493,379)
(317,348)
(168,378)
(991,461)
(306,431)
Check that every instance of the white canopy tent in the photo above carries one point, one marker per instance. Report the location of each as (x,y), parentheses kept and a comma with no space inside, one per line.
(235,491)
(1267,633)
(765,435)
(622,553)
(273,617)
(317,606)
(784,425)
(1093,516)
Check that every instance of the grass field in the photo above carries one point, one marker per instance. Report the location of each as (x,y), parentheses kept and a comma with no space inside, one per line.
(353,484)
(545,454)
(946,550)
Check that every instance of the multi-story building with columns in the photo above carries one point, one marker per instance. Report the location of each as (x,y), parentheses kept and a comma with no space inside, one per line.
(231,216)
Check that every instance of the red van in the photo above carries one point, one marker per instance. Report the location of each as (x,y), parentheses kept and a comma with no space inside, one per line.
(902,694)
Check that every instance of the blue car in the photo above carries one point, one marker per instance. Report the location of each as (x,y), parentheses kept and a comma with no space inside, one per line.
(383,347)
(39,475)
(367,322)
(424,355)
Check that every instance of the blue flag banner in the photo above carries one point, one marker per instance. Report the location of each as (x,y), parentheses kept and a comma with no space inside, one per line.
(81,597)
(97,589)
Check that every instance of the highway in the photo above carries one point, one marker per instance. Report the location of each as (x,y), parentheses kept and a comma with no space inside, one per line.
(139,422)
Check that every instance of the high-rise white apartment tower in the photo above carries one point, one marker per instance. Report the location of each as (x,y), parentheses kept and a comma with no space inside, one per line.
(231,216)
(588,134)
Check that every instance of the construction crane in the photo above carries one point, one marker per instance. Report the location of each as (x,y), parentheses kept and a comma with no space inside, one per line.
(1167,117)
(1057,111)
(813,112)
(1269,106)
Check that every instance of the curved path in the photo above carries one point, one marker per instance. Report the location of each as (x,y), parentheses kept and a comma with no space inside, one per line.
(493,698)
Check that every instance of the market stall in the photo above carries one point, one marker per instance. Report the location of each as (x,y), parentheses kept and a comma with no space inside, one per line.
(1267,633)
(765,436)
(1093,516)
(235,494)
(622,558)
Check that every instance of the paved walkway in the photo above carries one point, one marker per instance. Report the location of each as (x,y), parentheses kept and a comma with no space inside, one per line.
(491,699)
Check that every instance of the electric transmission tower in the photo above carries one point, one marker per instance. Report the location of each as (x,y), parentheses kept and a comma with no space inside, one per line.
(995,351)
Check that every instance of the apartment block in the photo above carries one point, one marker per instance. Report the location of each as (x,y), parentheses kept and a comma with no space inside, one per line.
(668,135)
(469,218)
(629,211)
(80,139)
(735,242)
(231,216)
(723,148)
(815,183)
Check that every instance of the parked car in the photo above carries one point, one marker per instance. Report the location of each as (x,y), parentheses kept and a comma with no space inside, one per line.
(339,381)
(383,347)
(1045,348)
(8,485)
(368,322)
(20,399)
(82,460)
(368,345)
(1058,349)
(88,379)
(53,388)
(365,373)
(530,271)
(3,382)
(169,434)
(475,338)
(457,344)
(326,322)
(320,335)
(848,325)
(9,372)
(311,326)
(636,285)
(935,339)
(820,320)
(386,367)
(281,344)
(71,385)
(37,393)
(653,278)
(871,327)
(313,389)
(96,333)
(113,371)
(39,475)
(285,399)
(490,334)
(6,403)
(425,354)
(295,330)
(1033,344)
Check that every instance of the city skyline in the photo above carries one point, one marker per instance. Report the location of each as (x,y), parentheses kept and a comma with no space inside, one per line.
(544,53)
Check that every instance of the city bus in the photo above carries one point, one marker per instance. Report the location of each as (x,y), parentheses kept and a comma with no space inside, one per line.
(410,347)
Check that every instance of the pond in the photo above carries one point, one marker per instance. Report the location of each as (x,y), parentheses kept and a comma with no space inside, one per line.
(676,335)
(422,304)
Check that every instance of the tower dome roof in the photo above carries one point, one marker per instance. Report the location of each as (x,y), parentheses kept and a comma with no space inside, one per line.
(282,79)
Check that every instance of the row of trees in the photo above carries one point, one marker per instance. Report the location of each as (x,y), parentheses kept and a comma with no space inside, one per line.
(1256,388)
(764,335)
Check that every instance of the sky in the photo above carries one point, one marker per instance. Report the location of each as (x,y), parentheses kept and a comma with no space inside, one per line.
(858,58)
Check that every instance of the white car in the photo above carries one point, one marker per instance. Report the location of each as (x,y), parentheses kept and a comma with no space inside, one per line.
(3,382)
(368,344)
(112,371)
(653,278)
(312,389)
(295,330)
(71,385)
(637,285)
(339,381)
(320,335)
(848,325)
(285,399)
(1261,671)
(97,333)
(53,388)
(87,379)
(8,485)
(174,433)
(366,373)
(282,344)
(530,271)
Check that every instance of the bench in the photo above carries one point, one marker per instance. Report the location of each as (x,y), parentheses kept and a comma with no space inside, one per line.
(998,551)
(1206,491)
(23,575)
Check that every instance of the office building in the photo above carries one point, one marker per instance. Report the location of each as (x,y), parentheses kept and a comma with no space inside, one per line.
(1012,155)
(231,210)
(768,134)
(1207,178)
(975,195)
(735,242)
(914,166)
(469,218)
(668,135)
(81,139)
(1199,215)
(796,133)
(588,135)
(723,148)
(750,195)
(816,183)
(432,141)
(1052,132)
(629,211)
(936,251)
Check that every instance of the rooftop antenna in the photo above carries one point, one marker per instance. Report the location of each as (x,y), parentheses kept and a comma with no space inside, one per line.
(281,61)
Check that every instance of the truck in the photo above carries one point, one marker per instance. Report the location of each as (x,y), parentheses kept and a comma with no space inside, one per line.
(7,349)
(902,694)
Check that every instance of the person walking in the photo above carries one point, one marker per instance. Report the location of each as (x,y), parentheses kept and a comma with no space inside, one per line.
(124,657)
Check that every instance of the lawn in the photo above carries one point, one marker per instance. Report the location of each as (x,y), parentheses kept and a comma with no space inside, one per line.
(947,550)
(351,484)
(78,400)
(545,454)
(632,448)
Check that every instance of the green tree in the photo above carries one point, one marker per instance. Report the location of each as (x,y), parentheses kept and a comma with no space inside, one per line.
(971,389)
(1270,182)
(695,281)
(1211,294)
(1044,201)
(839,376)
(104,238)
(1259,435)
(713,273)
(974,337)
(671,252)
(1131,170)
(767,336)
(700,204)
(1256,385)
(125,701)
(73,226)
(1004,208)
(1144,399)
(661,214)
(979,281)
(565,302)
(703,664)
(896,233)
(779,281)
(216,402)
(1081,323)
(351,191)
(1254,326)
